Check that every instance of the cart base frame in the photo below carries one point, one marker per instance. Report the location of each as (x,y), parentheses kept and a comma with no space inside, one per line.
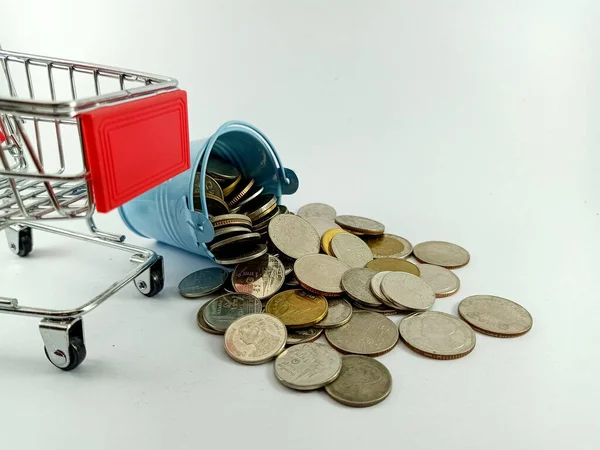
(62,330)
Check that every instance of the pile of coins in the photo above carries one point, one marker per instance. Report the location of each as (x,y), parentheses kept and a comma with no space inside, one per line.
(341,276)
(239,211)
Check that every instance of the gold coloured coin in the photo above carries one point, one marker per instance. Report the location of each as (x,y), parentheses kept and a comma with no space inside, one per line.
(228,190)
(393,265)
(388,246)
(297,308)
(230,219)
(328,237)
(260,206)
(269,209)
(239,195)
(210,186)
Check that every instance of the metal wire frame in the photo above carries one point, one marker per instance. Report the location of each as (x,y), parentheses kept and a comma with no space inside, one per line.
(27,190)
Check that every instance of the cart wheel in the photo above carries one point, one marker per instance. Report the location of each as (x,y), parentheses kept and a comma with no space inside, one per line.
(156,279)
(20,240)
(77,353)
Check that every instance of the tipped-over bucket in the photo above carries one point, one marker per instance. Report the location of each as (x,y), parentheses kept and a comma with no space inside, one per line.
(166,212)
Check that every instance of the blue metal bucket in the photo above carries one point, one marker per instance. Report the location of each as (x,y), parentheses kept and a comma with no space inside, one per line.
(166,212)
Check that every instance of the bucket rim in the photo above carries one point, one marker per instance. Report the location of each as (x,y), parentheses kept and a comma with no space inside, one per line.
(201,160)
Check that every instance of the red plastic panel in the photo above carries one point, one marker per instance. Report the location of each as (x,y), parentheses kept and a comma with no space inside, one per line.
(135,146)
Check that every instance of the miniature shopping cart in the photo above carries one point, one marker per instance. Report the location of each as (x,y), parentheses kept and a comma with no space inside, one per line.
(77,138)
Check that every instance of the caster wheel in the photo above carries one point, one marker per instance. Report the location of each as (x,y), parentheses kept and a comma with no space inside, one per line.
(77,354)
(157,279)
(20,240)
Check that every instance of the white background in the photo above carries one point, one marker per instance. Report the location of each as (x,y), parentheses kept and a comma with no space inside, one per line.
(474,121)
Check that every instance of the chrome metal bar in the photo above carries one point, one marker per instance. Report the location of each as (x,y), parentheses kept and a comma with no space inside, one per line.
(43,177)
(9,80)
(97,82)
(38,140)
(61,154)
(150,256)
(153,84)
(32,206)
(72,79)
(38,166)
(101,234)
(13,185)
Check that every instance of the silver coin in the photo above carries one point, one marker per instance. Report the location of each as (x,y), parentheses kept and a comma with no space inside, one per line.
(223,232)
(367,333)
(283,209)
(307,367)
(203,282)
(288,264)
(220,169)
(261,277)
(254,192)
(362,382)
(407,291)
(246,237)
(322,224)
(495,316)
(291,281)
(385,310)
(376,289)
(441,280)
(437,335)
(228,286)
(222,311)
(359,224)
(301,336)
(262,224)
(240,191)
(260,206)
(441,253)
(357,284)
(351,249)
(293,236)
(202,323)
(239,254)
(321,274)
(255,338)
(389,246)
(339,313)
(317,210)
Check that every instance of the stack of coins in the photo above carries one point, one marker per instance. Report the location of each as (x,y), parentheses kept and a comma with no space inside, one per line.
(239,210)
(343,277)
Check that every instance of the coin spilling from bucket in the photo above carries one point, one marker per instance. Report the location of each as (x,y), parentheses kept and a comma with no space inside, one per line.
(297,277)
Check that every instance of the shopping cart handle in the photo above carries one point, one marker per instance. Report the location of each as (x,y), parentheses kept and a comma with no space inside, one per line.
(2,138)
